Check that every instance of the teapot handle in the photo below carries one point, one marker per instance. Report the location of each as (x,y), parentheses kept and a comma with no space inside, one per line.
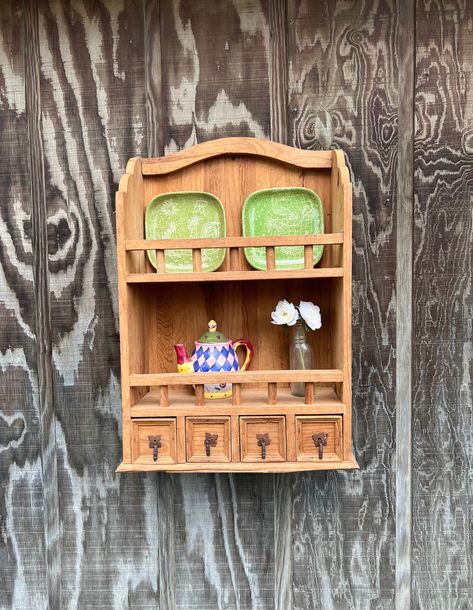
(249,352)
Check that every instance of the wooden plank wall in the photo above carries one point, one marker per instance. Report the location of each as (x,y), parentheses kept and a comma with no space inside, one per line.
(85,85)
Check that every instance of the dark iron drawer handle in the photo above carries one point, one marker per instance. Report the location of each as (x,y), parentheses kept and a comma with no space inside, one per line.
(262,441)
(210,441)
(320,440)
(155,444)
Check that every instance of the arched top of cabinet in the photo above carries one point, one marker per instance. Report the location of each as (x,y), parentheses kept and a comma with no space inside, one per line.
(317,159)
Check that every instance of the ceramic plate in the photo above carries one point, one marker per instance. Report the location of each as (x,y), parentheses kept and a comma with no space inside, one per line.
(282,211)
(186,215)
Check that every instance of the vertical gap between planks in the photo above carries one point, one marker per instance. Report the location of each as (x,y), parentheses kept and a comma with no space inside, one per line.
(279,132)
(153,78)
(405,203)
(155,148)
(39,217)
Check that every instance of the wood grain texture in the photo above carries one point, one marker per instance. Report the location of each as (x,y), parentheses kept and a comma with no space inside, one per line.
(23,556)
(93,119)
(344,94)
(39,245)
(442,561)
(405,194)
(216,81)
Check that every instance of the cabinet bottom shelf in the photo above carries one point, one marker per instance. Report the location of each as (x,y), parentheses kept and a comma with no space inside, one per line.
(242,467)
(253,402)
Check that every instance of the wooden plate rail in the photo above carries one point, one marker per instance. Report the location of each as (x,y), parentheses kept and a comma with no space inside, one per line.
(233,246)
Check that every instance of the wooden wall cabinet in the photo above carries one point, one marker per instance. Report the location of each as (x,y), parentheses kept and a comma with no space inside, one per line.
(262,428)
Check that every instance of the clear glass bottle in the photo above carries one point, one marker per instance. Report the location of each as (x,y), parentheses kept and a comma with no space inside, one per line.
(301,355)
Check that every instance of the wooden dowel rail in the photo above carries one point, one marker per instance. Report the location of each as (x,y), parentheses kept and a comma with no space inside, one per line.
(236,394)
(309,256)
(234,259)
(160,262)
(234,242)
(199,395)
(270,258)
(164,396)
(272,393)
(197,260)
(250,377)
(309,393)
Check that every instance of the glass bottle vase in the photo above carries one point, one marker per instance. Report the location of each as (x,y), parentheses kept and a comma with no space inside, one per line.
(301,355)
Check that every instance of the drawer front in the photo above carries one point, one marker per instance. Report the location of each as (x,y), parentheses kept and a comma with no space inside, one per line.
(263,439)
(154,441)
(208,439)
(319,438)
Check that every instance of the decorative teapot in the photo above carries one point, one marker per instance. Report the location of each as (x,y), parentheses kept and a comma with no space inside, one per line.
(213,353)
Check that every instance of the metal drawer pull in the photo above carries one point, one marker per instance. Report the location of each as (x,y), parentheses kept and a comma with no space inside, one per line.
(320,440)
(210,441)
(262,441)
(155,444)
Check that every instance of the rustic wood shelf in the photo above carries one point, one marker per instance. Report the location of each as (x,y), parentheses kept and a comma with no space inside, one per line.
(166,417)
(254,401)
(232,276)
(158,379)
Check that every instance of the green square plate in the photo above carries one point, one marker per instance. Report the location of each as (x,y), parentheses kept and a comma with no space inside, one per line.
(282,211)
(186,215)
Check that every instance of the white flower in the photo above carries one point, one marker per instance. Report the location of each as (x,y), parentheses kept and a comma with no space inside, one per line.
(285,313)
(310,313)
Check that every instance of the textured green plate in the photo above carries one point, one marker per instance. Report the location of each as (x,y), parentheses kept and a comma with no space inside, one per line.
(186,215)
(282,211)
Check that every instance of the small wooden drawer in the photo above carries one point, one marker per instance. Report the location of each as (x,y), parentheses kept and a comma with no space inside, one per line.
(263,439)
(208,439)
(319,438)
(154,441)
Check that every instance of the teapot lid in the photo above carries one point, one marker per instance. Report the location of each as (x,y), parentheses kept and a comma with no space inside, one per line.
(212,335)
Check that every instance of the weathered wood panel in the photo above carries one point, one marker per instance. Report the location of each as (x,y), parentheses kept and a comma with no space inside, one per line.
(94,119)
(215,84)
(120,78)
(442,559)
(215,70)
(405,214)
(23,565)
(343,84)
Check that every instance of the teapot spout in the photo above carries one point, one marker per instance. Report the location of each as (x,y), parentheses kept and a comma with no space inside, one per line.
(181,353)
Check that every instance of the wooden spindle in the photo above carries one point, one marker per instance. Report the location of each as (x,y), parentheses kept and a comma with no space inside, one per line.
(270,258)
(309,393)
(163,396)
(272,393)
(160,262)
(236,394)
(197,259)
(199,395)
(234,259)
(308,257)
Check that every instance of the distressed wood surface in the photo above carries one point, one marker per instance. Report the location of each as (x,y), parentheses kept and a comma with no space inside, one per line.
(442,559)
(94,119)
(119,78)
(23,557)
(344,94)
(404,210)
